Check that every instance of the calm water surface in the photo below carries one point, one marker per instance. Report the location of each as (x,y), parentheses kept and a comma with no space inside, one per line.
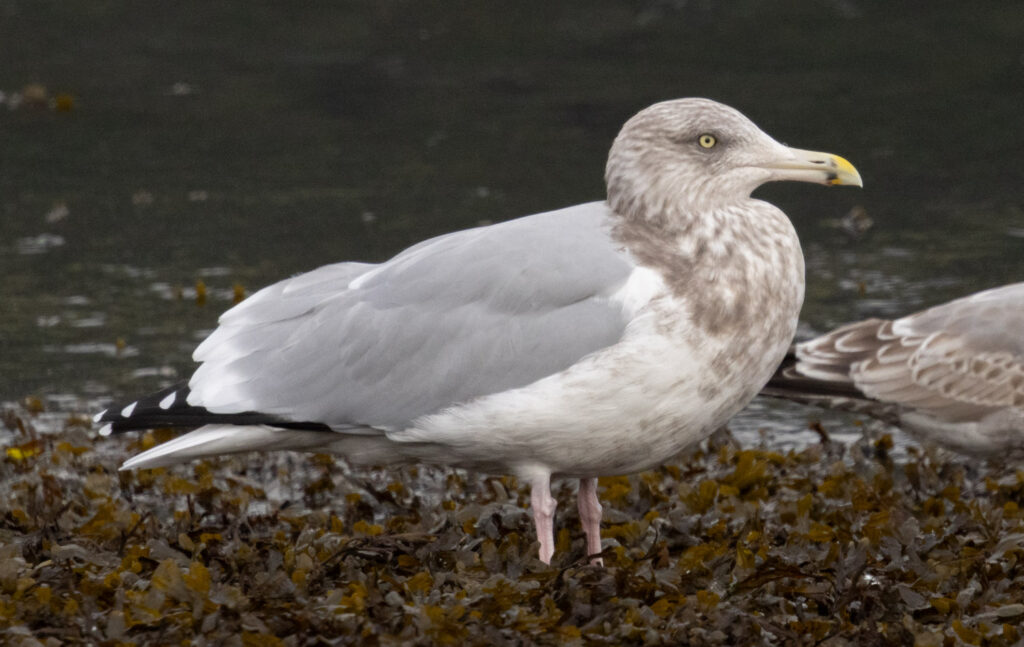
(238,143)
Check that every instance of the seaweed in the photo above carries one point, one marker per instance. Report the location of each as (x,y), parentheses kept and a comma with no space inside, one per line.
(826,545)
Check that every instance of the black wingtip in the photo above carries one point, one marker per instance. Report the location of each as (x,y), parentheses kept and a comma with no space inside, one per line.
(165,408)
(170,408)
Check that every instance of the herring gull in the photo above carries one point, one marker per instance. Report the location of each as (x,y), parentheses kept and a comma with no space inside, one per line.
(598,339)
(952,374)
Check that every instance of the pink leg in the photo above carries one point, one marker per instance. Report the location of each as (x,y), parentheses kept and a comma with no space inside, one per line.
(543,505)
(590,517)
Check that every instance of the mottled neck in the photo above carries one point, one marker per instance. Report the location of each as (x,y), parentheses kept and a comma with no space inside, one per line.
(730,263)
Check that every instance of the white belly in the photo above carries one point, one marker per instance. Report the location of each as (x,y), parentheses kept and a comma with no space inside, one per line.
(621,410)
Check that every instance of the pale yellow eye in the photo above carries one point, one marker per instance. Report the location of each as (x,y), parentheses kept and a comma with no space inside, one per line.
(707,140)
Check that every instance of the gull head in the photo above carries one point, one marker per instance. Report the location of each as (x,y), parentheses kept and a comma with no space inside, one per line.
(696,155)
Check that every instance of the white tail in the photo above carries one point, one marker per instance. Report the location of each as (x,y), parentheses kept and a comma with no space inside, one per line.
(214,440)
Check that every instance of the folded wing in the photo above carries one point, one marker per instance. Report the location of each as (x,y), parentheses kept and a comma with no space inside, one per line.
(476,312)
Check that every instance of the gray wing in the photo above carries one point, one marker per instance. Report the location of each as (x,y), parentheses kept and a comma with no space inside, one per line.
(960,361)
(453,318)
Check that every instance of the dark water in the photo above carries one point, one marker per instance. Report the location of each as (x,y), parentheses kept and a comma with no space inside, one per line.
(238,143)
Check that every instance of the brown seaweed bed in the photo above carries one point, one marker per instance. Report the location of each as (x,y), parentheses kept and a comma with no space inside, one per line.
(828,545)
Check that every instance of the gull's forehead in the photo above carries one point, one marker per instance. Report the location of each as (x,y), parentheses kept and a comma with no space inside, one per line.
(689,114)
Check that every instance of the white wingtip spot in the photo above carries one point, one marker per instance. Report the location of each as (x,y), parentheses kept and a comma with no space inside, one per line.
(99,416)
(168,401)
(106,430)
(127,411)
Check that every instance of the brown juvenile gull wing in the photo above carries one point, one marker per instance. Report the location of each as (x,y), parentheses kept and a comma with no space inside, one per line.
(598,339)
(952,374)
